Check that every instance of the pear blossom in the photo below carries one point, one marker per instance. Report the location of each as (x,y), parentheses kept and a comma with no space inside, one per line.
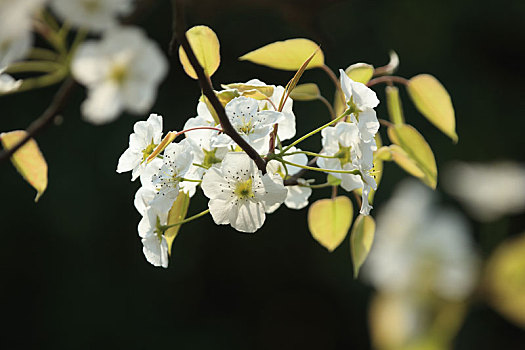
(420,247)
(239,194)
(286,129)
(96,15)
(8,83)
(155,245)
(351,153)
(488,190)
(357,94)
(142,142)
(176,161)
(297,196)
(121,71)
(15,29)
(253,125)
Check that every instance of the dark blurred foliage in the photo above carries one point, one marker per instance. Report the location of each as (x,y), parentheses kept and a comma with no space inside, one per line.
(72,271)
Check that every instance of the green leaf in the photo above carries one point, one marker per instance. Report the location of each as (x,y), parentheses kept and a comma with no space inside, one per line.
(286,55)
(305,92)
(28,160)
(505,279)
(361,240)
(417,150)
(177,213)
(393,103)
(360,72)
(329,221)
(433,101)
(332,180)
(205,44)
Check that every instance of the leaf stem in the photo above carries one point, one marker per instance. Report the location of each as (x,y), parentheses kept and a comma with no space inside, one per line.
(328,106)
(191,218)
(337,84)
(316,131)
(354,172)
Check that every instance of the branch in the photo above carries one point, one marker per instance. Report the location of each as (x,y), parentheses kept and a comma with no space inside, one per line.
(179,34)
(55,108)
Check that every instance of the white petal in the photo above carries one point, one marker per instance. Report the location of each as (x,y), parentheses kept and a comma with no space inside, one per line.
(128,160)
(143,198)
(368,124)
(220,210)
(365,206)
(247,216)
(103,104)
(156,250)
(274,190)
(297,197)
(214,185)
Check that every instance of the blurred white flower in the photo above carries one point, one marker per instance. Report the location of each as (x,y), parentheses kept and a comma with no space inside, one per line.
(15,29)
(96,15)
(8,83)
(488,190)
(239,194)
(142,142)
(252,125)
(122,71)
(421,248)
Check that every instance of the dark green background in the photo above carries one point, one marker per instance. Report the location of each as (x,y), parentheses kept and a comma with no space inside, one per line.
(72,271)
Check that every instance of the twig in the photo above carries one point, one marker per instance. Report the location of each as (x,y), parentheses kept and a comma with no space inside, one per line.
(56,106)
(292,180)
(179,34)
(388,79)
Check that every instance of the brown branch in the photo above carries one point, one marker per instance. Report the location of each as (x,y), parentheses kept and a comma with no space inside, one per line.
(388,79)
(55,108)
(292,180)
(179,34)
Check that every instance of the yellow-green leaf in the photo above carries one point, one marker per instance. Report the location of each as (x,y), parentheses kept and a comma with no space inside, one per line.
(254,91)
(329,221)
(417,149)
(433,101)
(169,138)
(205,44)
(361,240)
(28,160)
(405,162)
(360,72)
(177,213)
(224,97)
(286,55)
(505,279)
(393,104)
(305,92)
(332,180)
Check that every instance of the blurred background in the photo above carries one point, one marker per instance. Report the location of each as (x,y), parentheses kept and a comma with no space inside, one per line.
(72,269)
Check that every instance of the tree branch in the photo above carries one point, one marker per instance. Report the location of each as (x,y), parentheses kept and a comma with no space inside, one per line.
(179,34)
(55,108)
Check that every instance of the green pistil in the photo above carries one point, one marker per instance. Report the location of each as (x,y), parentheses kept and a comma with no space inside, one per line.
(244,190)
(148,150)
(343,154)
(210,158)
(118,73)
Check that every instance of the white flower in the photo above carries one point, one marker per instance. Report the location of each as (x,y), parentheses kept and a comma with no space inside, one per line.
(8,83)
(286,129)
(351,153)
(357,95)
(96,15)
(239,193)
(176,161)
(142,142)
(155,246)
(297,196)
(488,191)
(253,125)
(420,247)
(122,71)
(15,29)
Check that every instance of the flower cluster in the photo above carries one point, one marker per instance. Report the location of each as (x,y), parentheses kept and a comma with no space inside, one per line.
(240,194)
